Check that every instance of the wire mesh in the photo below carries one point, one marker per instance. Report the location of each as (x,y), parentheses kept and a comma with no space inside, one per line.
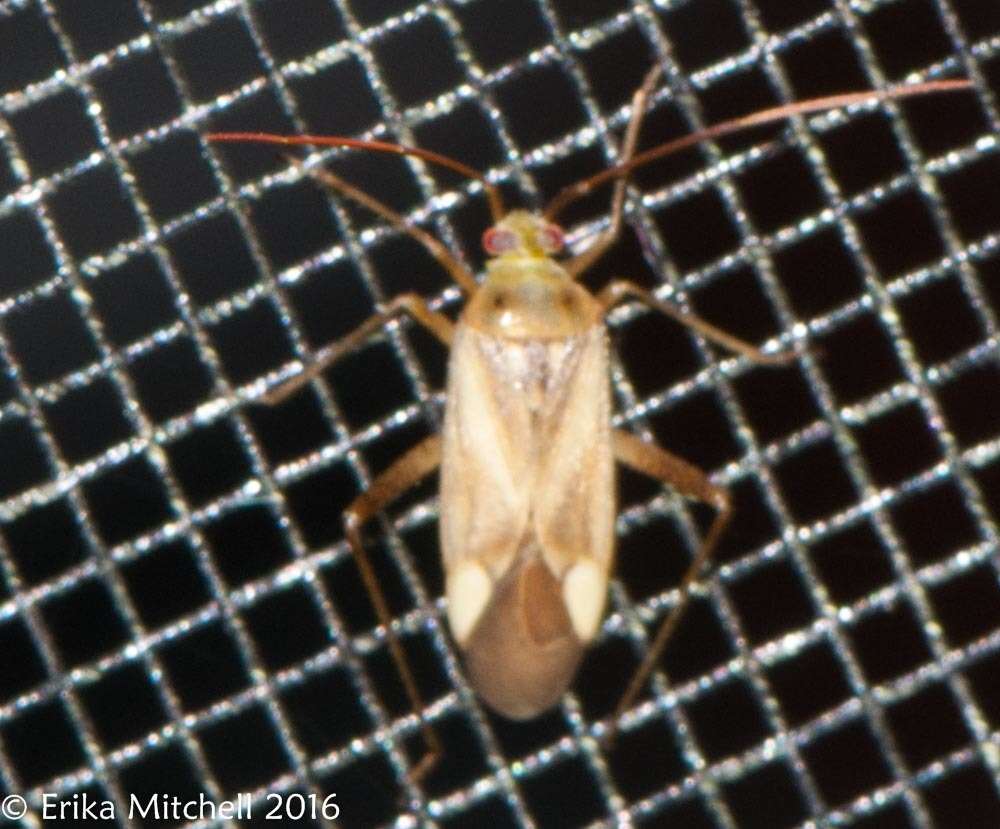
(178,610)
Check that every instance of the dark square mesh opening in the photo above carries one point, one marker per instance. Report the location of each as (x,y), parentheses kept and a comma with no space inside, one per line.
(213,260)
(738,304)
(767,797)
(786,607)
(780,191)
(45,542)
(928,726)
(617,65)
(935,523)
(84,623)
(327,711)
(204,667)
(971,404)
(880,232)
(847,762)
(286,628)
(137,94)
(216,58)
(898,446)
(165,584)
(88,420)
(703,33)
(164,770)
(48,724)
(727,721)
(418,62)
(915,23)
(852,562)
(432,681)
(564,791)
(293,223)
(699,646)
(650,333)
(294,28)
(55,133)
(357,108)
(86,231)
(778,401)
(50,338)
(499,34)
(889,643)
(133,299)
(818,273)
(881,161)
(463,762)
(124,705)
(940,321)
(209,462)
(815,483)
(171,380)
(518,99)
(173,176)
(128,500)
(967,195)
(19,440)
(246,544)
(365,789)
(244,750)
(698,230)
(94,29)
(809,683)
(967,796)
(645,760)
(860,343)
(968,606)
(698,430)
(317,503)
(20,648)
(251,342)
(31,48)
(26,254)
(601,680)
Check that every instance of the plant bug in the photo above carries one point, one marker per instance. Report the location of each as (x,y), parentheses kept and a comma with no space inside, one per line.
(527,451)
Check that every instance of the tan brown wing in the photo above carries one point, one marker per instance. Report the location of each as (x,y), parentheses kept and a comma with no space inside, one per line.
(523,654)
(526,510)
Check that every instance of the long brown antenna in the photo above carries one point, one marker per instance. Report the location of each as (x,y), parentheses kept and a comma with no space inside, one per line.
(756,119)
(493,196)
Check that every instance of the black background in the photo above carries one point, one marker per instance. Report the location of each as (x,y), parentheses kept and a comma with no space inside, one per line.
(136,262)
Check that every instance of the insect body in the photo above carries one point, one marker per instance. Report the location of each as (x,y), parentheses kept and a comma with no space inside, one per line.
(527,473)
(528,451)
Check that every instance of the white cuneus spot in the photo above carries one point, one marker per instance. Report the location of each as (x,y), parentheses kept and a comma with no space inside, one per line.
(469,590)
(583,590)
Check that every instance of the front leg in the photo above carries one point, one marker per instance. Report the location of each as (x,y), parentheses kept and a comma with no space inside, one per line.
(411,304)
(691,482)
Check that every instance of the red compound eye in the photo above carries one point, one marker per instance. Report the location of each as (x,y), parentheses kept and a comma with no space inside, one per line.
(551,239)
(499,240)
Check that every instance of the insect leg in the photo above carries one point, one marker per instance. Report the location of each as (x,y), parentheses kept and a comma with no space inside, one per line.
(411,304)
(457,270)
(619,291)
(690,481)
(580,263)
(406,471)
